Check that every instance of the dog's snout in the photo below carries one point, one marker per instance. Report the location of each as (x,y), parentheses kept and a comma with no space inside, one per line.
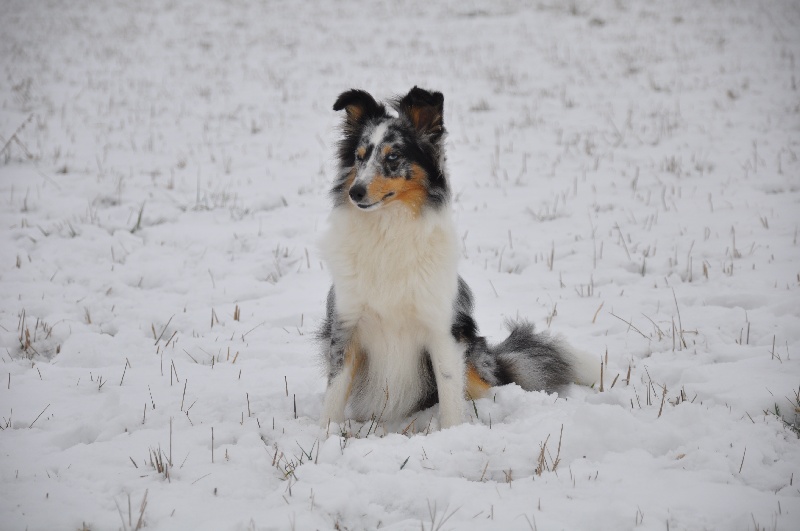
(357,192)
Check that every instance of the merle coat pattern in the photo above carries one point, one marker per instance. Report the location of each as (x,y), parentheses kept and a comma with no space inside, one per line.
(399,333)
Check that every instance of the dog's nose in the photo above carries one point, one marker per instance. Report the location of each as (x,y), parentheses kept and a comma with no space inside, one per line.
(357,192)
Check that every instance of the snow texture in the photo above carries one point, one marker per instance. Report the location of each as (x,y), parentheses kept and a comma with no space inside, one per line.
(625,174)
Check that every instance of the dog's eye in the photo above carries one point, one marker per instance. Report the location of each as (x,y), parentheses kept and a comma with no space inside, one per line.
(359,156)
(391,157)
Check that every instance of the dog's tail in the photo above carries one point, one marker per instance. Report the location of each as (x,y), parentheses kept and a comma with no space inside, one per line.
(534,361)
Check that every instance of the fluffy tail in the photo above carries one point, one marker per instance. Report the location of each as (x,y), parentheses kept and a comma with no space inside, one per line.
(534,361)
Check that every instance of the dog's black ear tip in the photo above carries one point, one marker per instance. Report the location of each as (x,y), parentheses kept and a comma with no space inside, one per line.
(424,97)
(352,96)
(343,99)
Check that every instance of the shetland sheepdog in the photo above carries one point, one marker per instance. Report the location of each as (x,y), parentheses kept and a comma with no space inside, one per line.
(399,335)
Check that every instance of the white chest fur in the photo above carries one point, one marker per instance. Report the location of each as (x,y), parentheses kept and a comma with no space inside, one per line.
(395,278)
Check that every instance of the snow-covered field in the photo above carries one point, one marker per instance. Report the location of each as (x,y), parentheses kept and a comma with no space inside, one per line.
(625,173)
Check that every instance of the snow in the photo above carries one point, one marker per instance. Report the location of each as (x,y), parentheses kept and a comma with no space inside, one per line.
(625,174)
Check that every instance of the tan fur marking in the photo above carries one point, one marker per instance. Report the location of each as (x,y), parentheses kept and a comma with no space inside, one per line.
(353,360)
(354,112)
(476,386)
(386,150)
(361,152)
(412,192)
(425,118)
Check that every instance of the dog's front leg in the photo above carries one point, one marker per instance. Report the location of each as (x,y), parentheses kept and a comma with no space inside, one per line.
(448,369)
(343,360)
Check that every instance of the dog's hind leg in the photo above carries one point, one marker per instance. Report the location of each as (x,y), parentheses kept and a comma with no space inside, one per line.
(481,364)
(476,387)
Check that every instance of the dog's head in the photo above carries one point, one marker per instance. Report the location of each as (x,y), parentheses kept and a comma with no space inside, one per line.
(385,159)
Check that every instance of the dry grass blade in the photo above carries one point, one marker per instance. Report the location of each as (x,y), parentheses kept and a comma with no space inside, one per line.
(140,521)
(663,397)
(39,415)
(597,312)
(622,238)
(163,330)
(680,324)
(138,220)
(602,371)
(557,460)
(541,465)
(436,523)
(14,138)
(630,324)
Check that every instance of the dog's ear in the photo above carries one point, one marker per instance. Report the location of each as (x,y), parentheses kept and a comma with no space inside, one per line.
(359,105)
(425,111)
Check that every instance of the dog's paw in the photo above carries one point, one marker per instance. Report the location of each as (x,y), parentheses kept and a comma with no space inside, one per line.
(449,418)
(330,426)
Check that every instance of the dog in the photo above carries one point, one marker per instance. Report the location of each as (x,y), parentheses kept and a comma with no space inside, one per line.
(399,335)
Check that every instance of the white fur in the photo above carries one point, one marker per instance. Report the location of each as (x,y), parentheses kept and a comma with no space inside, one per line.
(371,169)
(378,133)
(395,278)
(336,398)
(586,367)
